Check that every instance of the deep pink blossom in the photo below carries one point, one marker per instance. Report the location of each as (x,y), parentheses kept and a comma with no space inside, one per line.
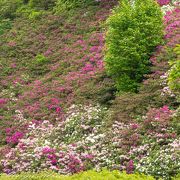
(3,102)
(48,52)
(134,126)
(130,167)
(165,109)
(14,139)
(47,150)
(58,109)
(164,2)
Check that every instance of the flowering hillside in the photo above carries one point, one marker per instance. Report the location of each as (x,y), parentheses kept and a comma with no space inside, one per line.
(60,108)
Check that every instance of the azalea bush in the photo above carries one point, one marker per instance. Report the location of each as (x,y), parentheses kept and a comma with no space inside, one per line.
(134,30)
(164,2)
(82,121)
(161,162)
(80,143)
(4,25)
(167,6)
(47,146)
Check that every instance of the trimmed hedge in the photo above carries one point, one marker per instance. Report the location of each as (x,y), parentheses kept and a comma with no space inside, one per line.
(88,175)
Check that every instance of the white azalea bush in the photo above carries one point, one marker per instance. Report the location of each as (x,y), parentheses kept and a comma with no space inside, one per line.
(160,161)
(83,120)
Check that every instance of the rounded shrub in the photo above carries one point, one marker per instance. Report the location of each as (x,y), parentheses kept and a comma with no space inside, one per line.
(134,30)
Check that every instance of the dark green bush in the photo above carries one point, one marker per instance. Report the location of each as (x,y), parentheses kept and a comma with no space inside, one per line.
(8,8)
(4,24)
(134,30)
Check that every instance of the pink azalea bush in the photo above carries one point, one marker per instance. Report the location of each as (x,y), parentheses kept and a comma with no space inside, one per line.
(14,139)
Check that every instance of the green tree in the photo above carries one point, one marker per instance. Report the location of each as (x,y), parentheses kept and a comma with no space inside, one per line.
(135,28)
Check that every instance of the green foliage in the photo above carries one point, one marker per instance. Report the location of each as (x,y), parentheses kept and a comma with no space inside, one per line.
(175,121)
(12,8)
(134,30)
(8,8)
(89,175)
(41,59)
(35,15)
(85,118)
(162,162)
(65,5)
(177,177)
(39,65)
(174,73)
(4,24)
(42,4)
(27,11)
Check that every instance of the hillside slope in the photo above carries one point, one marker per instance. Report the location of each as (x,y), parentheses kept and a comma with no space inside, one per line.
(60,111)
(50,63)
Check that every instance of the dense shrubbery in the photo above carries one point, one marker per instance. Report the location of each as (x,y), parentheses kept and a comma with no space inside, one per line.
(65,5)
(134,31)
(174,73)
(49,64)
(31,13)
(4,25)
(8,8)
(90,175)
(156,155)
(80,143)
(42,4)
(33,8)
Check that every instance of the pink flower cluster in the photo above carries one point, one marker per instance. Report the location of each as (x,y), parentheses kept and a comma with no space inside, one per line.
(3,102)
(164,2)
(172,24)
(14,138)
(55,105)
(130,167)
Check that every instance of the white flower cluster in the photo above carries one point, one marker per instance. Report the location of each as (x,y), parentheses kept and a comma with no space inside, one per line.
(166,91)
(169,7)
